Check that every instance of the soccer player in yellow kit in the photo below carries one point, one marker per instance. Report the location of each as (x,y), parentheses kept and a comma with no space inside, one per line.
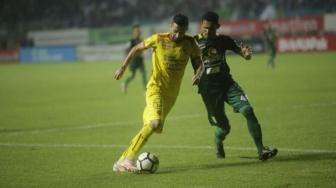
(171,52)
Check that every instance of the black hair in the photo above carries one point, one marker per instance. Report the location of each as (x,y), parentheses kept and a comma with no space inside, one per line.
(136,26)
(211,17)
(181,20)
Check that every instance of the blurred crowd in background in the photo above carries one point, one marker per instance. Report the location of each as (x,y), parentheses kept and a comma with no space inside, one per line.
(18,18)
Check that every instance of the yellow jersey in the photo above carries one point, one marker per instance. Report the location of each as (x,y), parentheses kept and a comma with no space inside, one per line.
(169,60)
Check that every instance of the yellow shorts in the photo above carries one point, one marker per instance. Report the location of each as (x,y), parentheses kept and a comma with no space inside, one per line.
(157,107)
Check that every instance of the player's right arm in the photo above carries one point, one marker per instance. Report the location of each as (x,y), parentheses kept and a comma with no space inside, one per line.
(136,50)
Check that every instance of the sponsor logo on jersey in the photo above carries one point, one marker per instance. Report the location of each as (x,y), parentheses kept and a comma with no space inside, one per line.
(166,45)
(243,98)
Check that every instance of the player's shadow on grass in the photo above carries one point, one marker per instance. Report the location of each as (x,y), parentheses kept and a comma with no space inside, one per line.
(223,165)
(285,157)
(306,157)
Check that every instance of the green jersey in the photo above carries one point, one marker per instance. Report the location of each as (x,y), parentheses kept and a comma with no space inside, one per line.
(216,75)
(270,36)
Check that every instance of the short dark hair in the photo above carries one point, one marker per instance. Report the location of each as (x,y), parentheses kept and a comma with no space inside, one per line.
(211,17)
(136,26)
(181,20)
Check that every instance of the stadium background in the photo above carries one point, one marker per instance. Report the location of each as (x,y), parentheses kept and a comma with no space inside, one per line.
(67,31)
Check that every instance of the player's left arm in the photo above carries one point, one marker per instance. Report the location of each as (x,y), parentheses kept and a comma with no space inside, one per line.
(196,63)
(241,49)
(199,68)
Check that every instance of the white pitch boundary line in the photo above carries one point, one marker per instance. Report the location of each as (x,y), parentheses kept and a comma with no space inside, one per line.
(91,126)
(297,150)
(99,125)
(172,118)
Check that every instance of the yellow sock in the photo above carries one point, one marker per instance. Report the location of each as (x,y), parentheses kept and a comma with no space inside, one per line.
(137,143)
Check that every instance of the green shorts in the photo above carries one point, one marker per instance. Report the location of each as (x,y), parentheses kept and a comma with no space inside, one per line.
(136,64)
(214,101)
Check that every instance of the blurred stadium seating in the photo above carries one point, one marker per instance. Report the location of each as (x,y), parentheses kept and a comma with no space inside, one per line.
(101,19)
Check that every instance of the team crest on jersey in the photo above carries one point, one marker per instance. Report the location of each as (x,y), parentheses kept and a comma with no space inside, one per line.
(212,51)
(211,55)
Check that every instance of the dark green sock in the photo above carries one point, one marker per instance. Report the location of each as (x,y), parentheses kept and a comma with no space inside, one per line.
(219,136)
(253,127)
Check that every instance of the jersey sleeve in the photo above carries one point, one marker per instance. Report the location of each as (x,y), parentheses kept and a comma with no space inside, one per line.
(151,42)
(230,44)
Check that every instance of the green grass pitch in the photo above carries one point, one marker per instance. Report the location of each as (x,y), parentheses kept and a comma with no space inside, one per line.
(64,125)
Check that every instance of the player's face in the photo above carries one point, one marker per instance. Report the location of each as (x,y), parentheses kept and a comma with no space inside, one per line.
(208,29)
(177,32)
(136,32)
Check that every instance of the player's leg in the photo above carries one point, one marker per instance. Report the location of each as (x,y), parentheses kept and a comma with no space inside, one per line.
(137,142)
(253,126)
(271,62)
(273,56)
(128,157)
(222,128)
(220,134)
(124,85)
(214,103)
(269,55)
(153,117)
(239,101)
(126,161)
(143,75)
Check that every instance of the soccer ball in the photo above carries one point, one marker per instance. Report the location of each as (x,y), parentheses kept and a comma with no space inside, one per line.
(147,162)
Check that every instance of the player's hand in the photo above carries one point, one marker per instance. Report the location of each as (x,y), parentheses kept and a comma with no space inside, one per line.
(198,74)
(119,73)
(196,79)
(246,51)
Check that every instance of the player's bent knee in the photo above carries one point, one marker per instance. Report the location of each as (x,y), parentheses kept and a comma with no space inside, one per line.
(247,110)
(226,128)
(156,125)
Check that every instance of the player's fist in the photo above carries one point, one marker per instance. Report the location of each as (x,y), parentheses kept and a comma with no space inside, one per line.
(196,79)
(119,73)
(246,51)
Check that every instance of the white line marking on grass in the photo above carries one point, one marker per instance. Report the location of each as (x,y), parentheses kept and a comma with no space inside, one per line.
(169,118)
(296,150)
(91,126)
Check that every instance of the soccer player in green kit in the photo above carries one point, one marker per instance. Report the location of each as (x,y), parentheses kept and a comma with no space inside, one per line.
(138,61)
(270,39)
(217,86)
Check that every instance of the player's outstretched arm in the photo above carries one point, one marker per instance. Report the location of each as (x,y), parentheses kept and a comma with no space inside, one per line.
(245,51)
(199,71)
(133,52)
